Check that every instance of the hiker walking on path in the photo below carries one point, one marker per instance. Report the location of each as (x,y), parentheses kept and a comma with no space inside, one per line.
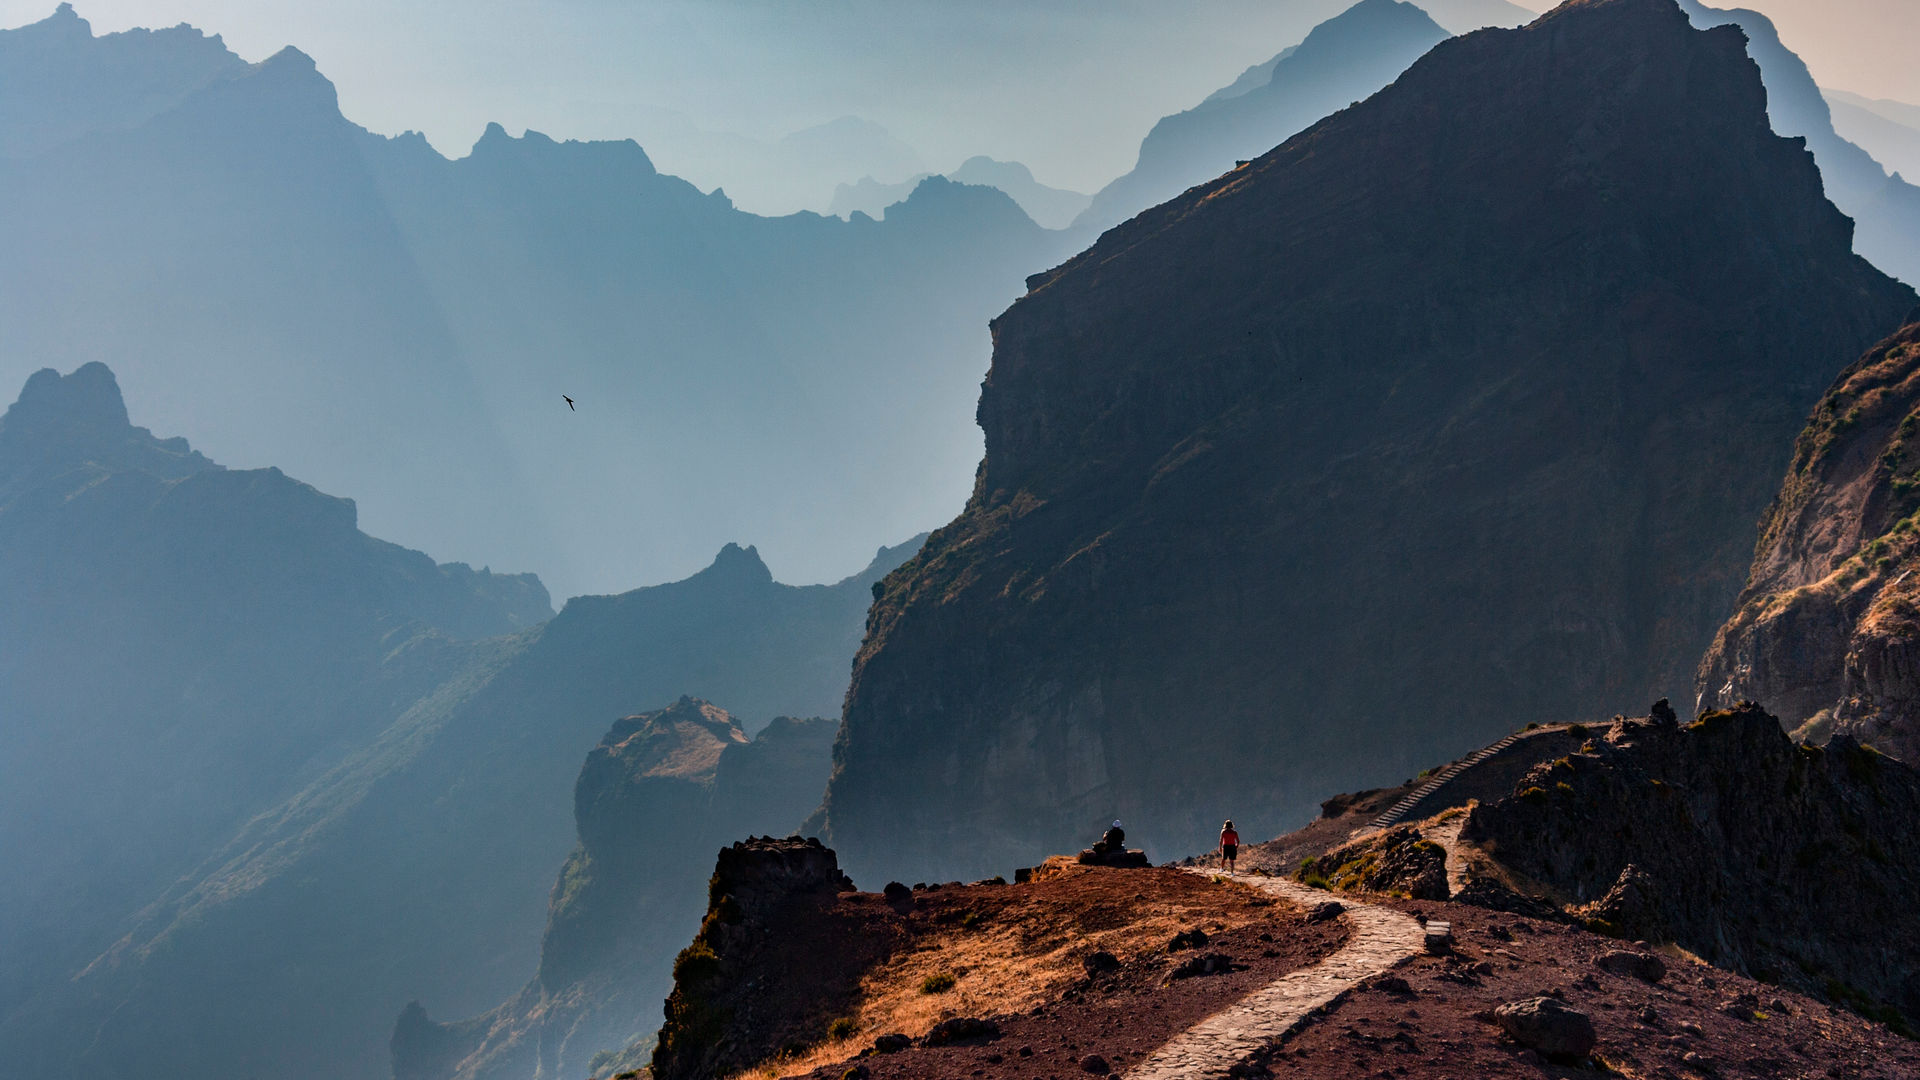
(1229,845)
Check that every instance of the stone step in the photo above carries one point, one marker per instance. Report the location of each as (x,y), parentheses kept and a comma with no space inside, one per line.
(1399,810)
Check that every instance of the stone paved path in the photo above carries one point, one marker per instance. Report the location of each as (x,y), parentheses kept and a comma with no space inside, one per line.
(1379,939)
(1447,835)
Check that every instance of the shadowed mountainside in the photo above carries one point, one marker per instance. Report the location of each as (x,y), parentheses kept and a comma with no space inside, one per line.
(1468,393)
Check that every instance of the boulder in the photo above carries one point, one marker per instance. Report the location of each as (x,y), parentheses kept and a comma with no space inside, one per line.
(1187,939)
(1130,859)
(961,1029)
(1204,964)
(1325,910)
(1548,1025)
(1637,965)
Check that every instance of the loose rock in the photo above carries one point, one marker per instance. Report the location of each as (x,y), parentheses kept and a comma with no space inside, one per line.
(1547,1025)
(1637,965)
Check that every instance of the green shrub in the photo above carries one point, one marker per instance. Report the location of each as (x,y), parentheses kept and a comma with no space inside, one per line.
(843,1028)
(1578,731)
(937,983)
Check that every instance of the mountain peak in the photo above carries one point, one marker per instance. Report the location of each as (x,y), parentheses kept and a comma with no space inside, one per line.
(61,420)
(66,21)
(736,563)
(89,397)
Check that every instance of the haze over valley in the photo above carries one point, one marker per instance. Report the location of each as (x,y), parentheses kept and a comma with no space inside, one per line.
(946,460)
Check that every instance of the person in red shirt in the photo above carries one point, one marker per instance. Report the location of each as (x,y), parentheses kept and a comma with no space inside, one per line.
(1229,845)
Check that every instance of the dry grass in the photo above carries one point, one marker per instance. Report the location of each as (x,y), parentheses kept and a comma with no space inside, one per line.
(1017,956)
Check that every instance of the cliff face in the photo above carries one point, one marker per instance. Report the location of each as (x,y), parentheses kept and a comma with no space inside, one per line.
(654,799)
(1467,394)
(1789,863)
(1825,631)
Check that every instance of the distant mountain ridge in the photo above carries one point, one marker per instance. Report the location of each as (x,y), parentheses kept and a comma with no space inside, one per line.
(153,608)
(376,318)
(1344,59)
(1051,208)
(1887,209)
(1889,130)
(245,738)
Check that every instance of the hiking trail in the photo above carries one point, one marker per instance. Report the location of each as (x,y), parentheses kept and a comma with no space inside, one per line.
(1381,938)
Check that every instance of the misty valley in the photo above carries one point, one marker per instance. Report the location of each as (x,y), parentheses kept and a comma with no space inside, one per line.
(1411,578)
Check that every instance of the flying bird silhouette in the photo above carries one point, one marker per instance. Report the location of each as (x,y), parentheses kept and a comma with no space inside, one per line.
(569,402)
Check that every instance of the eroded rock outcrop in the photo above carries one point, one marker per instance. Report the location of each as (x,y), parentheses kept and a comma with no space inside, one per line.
(1827,632)
(758,886)
(1468,394)
(1790,863)
(658,793)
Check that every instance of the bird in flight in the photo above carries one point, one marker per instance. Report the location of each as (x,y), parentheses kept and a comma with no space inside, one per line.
(569,402)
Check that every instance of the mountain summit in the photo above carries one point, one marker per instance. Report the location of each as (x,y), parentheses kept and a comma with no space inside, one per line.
(1468,394)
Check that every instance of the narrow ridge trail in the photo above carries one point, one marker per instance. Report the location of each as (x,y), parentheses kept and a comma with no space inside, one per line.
(1381,939)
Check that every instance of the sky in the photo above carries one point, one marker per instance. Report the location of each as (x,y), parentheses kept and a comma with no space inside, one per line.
(1066,86)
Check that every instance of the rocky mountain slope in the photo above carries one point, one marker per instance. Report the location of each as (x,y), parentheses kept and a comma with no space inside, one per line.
(1785,863)
(659,794)
(256,759)
(1823,632)
(181,645)
(374,317)
(1343,60)
(1291,478)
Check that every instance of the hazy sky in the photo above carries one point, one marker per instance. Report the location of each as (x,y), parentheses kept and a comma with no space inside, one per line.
(1067,86)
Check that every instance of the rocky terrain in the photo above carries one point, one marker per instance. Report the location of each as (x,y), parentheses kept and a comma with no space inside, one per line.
(1033,978)
(1824,631)
(1485,430)
(655,798)
(1161,955)
(1721,837)
(1792,864)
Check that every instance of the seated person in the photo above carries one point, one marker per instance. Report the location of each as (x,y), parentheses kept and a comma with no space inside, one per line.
(1113,842)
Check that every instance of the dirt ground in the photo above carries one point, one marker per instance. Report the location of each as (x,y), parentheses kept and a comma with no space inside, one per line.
(1016,955)
(1694,1024)
(1437,1032)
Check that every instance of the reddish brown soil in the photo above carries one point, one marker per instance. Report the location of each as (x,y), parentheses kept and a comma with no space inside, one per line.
(1434,1033)
(1438,1031)
(1125,1014)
